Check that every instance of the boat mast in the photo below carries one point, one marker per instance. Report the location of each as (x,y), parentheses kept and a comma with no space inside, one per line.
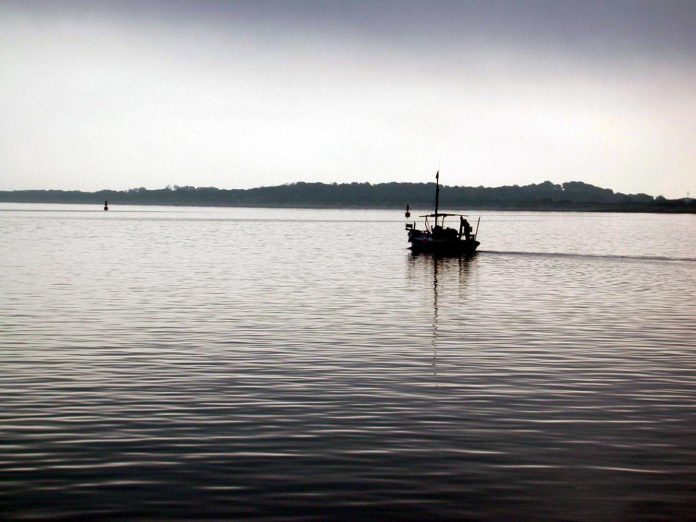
(437,194)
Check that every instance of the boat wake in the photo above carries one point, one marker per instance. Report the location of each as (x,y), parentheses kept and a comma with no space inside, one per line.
(589,256)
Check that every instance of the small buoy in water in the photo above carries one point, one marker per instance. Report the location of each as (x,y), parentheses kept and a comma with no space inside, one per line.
(106,205)
(408,212)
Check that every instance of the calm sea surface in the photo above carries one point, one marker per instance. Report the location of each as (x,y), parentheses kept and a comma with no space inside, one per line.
(186,363)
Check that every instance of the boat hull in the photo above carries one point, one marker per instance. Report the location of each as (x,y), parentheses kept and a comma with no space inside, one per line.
(462,247)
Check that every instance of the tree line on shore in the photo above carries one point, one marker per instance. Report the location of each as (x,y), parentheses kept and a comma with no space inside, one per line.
(573,195)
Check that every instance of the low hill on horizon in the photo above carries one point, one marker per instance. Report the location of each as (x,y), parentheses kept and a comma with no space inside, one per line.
(572,195)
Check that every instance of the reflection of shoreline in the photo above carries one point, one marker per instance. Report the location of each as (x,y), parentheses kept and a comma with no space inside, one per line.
(442,268)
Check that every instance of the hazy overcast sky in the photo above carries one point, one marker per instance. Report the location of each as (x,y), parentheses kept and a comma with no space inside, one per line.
(120,94)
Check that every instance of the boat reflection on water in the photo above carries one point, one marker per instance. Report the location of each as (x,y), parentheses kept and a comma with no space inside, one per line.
(450,274)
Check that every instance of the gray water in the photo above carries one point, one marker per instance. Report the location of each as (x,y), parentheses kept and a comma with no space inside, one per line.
(182,363)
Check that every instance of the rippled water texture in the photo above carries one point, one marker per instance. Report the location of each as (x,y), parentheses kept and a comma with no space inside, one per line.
(301,364)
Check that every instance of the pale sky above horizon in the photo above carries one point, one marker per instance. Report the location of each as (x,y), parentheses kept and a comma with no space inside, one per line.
(122,94)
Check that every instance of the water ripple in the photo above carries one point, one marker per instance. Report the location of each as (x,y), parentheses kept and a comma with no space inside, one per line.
(207,364)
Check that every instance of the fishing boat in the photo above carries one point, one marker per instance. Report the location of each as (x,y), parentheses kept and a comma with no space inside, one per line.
(435,237)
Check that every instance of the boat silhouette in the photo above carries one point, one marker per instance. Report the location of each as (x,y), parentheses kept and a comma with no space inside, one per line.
(436,237)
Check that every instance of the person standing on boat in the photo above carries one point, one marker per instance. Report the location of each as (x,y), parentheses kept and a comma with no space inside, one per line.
(464,225)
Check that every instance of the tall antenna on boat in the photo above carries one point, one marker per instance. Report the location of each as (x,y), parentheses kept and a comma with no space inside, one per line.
(437,194)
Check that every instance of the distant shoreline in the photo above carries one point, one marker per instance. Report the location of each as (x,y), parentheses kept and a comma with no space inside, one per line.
(543,197)
(687,209)
(617,210)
